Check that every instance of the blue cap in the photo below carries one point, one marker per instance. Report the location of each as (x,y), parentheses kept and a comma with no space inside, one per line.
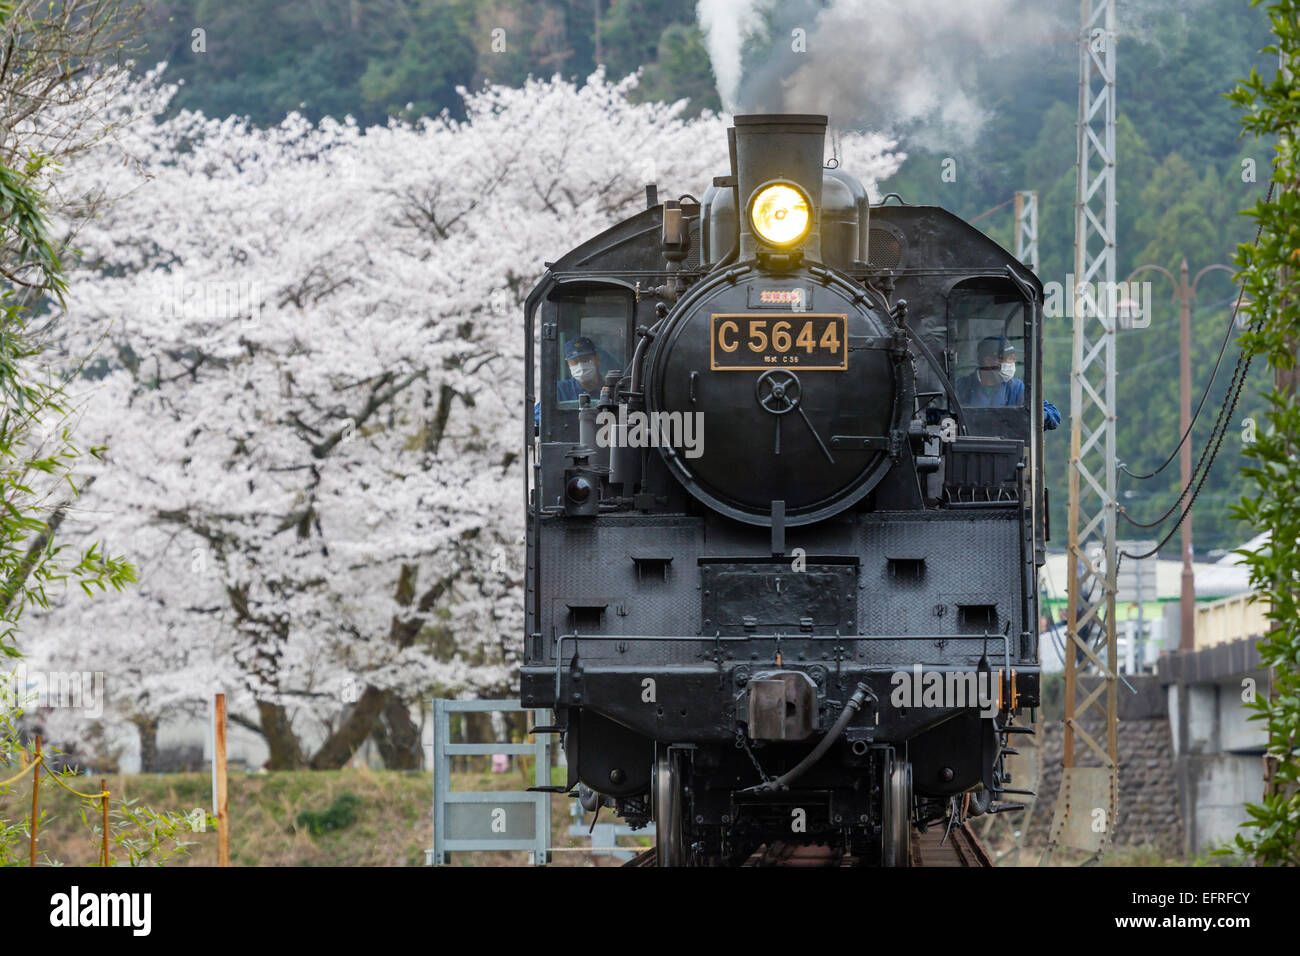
(993,345)
(579,346)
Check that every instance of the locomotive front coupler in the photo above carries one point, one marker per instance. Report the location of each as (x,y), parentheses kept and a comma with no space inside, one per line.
(851,707)
(779,705)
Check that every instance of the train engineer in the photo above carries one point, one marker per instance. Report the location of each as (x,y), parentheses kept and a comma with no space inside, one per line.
(994,382)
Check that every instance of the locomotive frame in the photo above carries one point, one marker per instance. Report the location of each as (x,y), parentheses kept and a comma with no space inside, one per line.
(725,640)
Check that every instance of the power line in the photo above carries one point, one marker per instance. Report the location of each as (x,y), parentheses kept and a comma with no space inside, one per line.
(1227,337)
(1220,429)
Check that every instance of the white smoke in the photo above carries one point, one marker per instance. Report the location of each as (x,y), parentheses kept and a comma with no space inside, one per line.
(909,68)
(726,25)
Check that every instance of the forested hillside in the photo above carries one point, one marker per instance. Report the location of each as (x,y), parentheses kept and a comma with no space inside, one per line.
(1183,171)
(372,58)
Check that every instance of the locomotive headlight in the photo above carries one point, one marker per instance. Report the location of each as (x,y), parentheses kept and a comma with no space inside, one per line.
(780,214)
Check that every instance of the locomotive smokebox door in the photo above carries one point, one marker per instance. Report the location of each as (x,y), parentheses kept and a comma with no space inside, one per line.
(782,706)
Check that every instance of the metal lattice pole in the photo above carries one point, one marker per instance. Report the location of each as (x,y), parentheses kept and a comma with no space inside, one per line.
(1088,798)
(1027,228)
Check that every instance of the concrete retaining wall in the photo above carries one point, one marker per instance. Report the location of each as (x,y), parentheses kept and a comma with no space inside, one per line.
(1149,812)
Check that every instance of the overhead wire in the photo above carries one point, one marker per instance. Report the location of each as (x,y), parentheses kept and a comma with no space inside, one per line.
(1209,385)
(1227,337)
(1217,433)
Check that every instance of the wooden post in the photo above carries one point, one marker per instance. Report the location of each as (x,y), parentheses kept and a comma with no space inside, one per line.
(36,791)
(103,789)
(219,765)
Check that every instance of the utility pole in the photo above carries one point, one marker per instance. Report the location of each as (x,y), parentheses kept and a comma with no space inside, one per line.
(1184,296)
(1187,595)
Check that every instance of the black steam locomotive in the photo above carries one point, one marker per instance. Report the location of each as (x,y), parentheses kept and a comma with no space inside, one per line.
(785,510)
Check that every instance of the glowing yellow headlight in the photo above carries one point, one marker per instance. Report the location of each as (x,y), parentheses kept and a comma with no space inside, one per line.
(780,215)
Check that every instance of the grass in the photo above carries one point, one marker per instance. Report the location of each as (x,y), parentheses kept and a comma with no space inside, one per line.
(355,818)
(296,818)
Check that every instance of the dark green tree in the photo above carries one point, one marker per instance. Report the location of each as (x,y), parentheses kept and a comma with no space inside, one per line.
(436,54)
(630,31)
(681,70)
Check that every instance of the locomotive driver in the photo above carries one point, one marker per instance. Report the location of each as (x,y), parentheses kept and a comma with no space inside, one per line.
(584,367)
(994,382)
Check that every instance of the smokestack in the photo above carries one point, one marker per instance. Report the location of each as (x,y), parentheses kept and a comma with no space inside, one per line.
(780,146)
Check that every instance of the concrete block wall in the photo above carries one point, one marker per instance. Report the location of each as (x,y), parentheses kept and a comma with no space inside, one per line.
(1149,813)
(1149,808)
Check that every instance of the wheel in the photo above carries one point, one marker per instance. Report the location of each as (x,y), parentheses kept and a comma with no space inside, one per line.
(666,789)
(897,849)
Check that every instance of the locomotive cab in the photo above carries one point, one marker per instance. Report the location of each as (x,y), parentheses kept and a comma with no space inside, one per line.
(784,510)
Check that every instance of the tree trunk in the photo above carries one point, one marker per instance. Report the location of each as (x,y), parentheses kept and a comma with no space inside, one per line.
(398,738)
(147,727)
(280,738)
(343,743)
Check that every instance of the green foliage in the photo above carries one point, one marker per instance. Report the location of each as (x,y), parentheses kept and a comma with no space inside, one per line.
(681,70)
(1181,184)
(433,57)
(137,835)
(36,451)
(341,814)
(630,31)
(1270,272)
(34,262)
(370,58)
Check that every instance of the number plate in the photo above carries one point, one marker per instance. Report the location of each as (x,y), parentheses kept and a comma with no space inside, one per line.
(810,341)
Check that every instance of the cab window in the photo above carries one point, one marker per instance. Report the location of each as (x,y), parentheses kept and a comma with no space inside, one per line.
(592,341)
(987,345)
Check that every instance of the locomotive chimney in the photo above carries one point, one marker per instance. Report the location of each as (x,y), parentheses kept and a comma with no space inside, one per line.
(785,148)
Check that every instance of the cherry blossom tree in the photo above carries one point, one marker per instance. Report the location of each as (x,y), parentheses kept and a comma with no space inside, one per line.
(311,390)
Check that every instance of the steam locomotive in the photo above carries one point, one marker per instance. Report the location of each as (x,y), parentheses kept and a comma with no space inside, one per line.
(782,543)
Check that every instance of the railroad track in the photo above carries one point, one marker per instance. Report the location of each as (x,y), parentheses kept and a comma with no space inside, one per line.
(961,848)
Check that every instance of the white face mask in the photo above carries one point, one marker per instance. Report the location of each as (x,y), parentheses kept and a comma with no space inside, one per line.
(585,372)
(1007,371)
